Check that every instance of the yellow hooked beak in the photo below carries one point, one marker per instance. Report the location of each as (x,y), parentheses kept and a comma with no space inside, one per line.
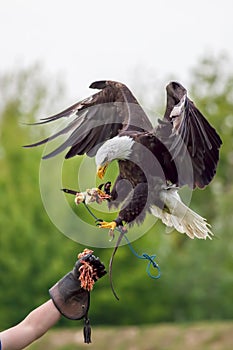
(101,170)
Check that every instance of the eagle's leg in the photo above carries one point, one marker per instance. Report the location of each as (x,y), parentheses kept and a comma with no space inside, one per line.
(133,211)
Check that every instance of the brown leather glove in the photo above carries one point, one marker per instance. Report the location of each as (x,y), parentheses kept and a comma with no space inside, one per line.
(71,294)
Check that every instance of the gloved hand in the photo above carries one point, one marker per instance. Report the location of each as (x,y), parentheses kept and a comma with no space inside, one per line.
(71,295)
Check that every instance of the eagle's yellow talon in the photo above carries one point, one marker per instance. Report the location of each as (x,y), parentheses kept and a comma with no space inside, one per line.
(102,194)
(110,225)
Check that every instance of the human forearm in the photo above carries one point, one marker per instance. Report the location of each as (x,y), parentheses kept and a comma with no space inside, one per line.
(31,328)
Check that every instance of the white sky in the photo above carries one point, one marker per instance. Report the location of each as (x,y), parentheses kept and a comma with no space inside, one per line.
(89,40)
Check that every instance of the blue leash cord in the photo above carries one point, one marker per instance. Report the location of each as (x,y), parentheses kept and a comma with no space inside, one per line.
(144,256)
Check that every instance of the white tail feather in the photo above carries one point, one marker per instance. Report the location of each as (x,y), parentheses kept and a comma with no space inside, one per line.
(182,218)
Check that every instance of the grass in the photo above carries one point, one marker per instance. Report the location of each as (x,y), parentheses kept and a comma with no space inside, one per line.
(196,336)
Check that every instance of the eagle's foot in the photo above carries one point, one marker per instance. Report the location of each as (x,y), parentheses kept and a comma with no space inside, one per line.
(102,194)
(106,188)
(105,224)
(110,225)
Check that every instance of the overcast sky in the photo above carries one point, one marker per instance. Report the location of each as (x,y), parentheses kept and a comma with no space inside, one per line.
(86,40)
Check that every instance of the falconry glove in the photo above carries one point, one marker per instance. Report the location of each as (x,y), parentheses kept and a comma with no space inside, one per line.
(71,294)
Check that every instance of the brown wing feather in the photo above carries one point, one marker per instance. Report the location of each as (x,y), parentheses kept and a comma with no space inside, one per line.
(184,129)
(98,118)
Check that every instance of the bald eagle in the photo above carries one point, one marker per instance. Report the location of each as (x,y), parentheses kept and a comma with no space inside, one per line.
(154,162)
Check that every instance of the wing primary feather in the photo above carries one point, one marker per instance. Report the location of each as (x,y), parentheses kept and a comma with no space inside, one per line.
(68,128)
(200,126)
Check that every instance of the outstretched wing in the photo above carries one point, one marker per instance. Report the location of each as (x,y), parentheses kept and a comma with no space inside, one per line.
(97,118)
(185,131)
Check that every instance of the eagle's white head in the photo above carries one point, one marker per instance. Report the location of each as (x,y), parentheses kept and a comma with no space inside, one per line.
(119,147)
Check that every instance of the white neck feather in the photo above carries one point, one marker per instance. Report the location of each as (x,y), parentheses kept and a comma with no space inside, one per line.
(119,147)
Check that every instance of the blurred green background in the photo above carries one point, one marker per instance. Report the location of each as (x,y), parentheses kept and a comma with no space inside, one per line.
(197,278)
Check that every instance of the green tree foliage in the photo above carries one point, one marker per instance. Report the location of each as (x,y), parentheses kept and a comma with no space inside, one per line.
(32,251)
(197,280)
